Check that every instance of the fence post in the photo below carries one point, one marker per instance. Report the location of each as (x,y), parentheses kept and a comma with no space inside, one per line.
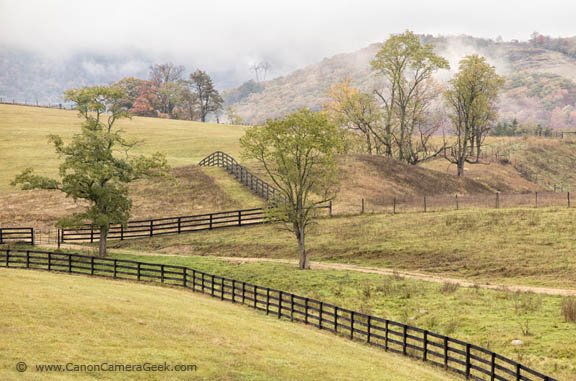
(121,232)
(267,300)
(305,310)
(536,199)
(493,366)
(336,319)
(568,196)
(394,206)
(243,292)
(457,206)
(138,271)
(203,287)
(518,377)
(239,218)
(424,204)
(404,338)
(193,280)
(445,352)
(161,273)
(280,305)
(91,234)
(222,288)
(330,208)
(369,329)
(467,360)
(49,260)
(386,335)
(320,315)
(8,258)
(1,238)
(115,267)
(210,222)
(184,275)
(32,236)
(497,200)
(59,237)
(425,349)
(362,206)
(255,297)
(151,228)
(291,307)
(212,286)
(233,291)
(352,325)
(179,225)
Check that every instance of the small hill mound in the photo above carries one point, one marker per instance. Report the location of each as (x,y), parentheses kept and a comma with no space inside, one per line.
(379,180)
(93,321)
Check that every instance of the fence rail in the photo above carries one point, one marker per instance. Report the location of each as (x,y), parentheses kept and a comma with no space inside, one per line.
(458,356)
(169,225)
(19,235)
(241,173)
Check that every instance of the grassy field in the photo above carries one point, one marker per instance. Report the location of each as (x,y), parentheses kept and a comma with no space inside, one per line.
(508,246)
(59,319)
(24,142)
(485,317)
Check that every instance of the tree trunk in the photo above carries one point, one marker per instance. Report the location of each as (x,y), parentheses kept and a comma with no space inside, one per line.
(303,263)
(103,241)
(460,165)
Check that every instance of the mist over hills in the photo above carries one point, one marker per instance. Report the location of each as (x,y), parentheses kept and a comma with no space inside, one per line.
(540,79)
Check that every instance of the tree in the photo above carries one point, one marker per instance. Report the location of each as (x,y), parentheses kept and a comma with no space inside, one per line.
(354,110)
(471,99)
(298,153)
(407,66)
(209,100)
(133,88)
(96,166)
(167,81)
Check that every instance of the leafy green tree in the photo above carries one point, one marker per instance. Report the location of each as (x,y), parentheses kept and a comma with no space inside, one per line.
(208,98)
(471,99)
(407,67)
(96,167)
(168,85)
(298,153)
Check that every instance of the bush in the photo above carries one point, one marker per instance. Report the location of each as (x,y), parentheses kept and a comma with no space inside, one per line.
(449,287)
(569,309)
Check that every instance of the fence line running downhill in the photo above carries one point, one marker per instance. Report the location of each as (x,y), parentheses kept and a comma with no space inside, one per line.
(467,359)
(241,173)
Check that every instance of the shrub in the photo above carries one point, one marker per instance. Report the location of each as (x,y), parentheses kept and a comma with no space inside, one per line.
(569,309)
(449,287)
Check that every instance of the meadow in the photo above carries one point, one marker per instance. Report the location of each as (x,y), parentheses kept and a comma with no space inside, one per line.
(56,319)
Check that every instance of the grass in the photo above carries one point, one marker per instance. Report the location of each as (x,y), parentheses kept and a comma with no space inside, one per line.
(488,318)
(59,319)
(507,246)
(24,142)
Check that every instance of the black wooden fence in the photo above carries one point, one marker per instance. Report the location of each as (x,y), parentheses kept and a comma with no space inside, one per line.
(241,173)
(169,225)
(467,359)
(18,235)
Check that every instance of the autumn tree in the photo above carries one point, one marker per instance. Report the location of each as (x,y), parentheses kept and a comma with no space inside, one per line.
(96,167)
(471,99)
(352,109)
(298,153)
(406,66)
(132,88)
(167,82)
(208,98)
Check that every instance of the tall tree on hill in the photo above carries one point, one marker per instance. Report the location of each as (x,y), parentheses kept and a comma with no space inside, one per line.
(167,81)
(355,110)
(407,66)
(298,152)
(471,99)
(133,88)
(209,100)
(96,166)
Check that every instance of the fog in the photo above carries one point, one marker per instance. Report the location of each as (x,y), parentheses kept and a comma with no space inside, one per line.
(229,36)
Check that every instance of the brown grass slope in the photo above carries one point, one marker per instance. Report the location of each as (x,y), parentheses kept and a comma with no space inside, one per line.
(195,190)
(378,180)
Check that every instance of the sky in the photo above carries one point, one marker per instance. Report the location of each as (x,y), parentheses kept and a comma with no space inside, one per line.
(232,35)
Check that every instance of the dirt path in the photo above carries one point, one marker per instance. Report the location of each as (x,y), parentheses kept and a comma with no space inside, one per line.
(380,271)
(411,275)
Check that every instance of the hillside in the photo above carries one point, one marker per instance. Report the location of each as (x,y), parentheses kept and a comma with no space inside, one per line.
(540,86)
(48,315)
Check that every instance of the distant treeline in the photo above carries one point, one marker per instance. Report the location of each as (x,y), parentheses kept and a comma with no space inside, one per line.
(168,94)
